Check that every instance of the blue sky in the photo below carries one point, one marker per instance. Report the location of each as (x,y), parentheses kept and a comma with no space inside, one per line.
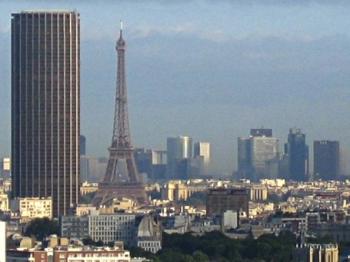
(208,69)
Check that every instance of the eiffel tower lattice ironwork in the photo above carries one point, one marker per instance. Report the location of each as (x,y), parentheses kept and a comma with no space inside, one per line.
(121,180)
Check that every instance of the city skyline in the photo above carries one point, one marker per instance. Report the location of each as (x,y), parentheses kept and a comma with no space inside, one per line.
(305,86)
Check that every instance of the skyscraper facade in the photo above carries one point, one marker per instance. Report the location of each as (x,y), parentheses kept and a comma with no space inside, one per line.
(46,106)
(255,154)
(326,159)
(201,153)
(179,151)
(298,155)
(202,149)
(263,149)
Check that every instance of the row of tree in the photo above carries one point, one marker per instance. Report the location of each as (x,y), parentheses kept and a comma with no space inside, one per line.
(215,246)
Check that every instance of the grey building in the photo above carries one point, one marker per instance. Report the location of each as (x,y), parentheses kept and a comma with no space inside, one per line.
(113,227)
(75,226)
(326,159)
(92,169)
(202,154)
(82,145)
(256,154)
(178,149)
(149,234)
(103,227)
(151,162)
(45,106)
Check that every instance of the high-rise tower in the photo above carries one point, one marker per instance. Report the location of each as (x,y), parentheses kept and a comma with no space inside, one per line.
(46,106)
(326,159)
(256,153)
(121,178)
(179,153)
(298,155)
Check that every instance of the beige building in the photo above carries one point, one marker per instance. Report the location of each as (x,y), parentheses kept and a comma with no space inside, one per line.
(85,209)
(87,188)
(258,193)
(4,202)
(175,190)
(29,208)
(6,164)
(316,253)
(5,186)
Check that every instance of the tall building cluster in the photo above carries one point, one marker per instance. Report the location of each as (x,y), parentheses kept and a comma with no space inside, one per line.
(183,162)
(259,157)
(182,159)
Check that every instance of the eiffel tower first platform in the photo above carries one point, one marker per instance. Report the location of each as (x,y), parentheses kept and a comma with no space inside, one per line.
(121,178)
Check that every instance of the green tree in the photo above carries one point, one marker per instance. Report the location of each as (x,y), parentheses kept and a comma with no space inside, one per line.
(199,256)
(41,228)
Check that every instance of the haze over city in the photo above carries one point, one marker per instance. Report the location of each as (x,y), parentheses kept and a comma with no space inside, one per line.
(210,70)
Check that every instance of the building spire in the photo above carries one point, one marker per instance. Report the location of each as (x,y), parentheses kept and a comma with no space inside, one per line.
(121,29)
(121,42)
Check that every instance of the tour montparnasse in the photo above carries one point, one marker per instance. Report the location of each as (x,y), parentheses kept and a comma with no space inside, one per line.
(121,177)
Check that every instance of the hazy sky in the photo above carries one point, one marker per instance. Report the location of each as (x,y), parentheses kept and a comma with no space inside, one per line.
(208,69)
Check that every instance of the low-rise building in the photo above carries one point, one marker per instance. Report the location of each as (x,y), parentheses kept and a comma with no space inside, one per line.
(258,193)
(230,220)
(222,199)
(175,190)
(29,208)
(101,227)
(4,202)
(69,254)
(75,226)
(316,253)
(149,235)
(113,227)
(87,188)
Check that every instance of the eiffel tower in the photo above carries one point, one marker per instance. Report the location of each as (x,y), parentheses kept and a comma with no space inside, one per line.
(121,178)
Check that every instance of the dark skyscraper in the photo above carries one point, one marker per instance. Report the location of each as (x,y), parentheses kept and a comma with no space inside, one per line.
(298,155)
(326,159)
(46,106)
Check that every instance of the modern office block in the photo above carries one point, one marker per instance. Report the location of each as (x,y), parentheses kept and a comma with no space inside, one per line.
(326,159)
(46,106)
(257,153)
(178,149)
(203,155)
(298,155)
